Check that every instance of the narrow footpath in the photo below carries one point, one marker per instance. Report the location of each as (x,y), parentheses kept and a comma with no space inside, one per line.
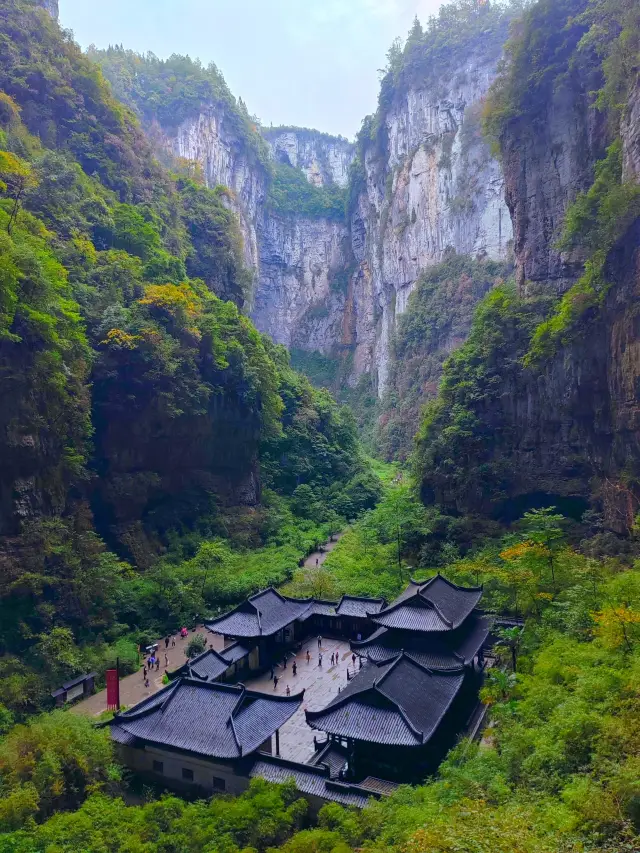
(317,558)
(132,688)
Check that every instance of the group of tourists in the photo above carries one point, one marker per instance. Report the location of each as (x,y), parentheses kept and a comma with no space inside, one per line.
(335,657)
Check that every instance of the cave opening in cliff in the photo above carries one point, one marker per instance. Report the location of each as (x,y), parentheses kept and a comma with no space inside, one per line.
(572,506)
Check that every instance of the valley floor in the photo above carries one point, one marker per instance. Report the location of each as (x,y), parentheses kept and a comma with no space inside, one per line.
(132,689)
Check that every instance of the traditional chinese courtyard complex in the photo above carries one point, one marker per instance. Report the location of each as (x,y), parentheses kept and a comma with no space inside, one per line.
(346,698)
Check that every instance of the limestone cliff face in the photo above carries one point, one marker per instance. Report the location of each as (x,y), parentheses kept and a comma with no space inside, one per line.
(570,428)
(209,139)
(300,298)
(434,187)
(324,159)
(546,163)
(297,260)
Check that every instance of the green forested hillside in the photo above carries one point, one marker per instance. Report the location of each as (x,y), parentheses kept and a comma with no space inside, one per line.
(160,459)
(141,413)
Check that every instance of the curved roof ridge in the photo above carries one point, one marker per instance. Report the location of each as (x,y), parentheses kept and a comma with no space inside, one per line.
(452,584)
(236,707)
(436,607)
(377,685)
(398,657)
(264,591)
(395,605)
(379,632)
(234,732)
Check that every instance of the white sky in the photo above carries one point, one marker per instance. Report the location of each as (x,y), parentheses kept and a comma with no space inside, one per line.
(311,63)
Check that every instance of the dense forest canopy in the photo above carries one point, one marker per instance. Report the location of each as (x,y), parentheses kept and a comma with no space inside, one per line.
(140,407)
(160,459)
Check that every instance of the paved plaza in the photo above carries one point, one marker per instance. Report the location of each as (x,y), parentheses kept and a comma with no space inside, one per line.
(320,686)
(132,687)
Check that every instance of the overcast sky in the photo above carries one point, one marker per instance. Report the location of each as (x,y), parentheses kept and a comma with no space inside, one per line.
(312,63)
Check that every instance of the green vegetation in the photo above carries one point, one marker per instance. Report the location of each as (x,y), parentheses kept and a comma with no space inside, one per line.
(322,370)
(558,770)
(429,55)
(437,319)
(594,223)
(291,193)
(600,41)
(153,437)
(457,453)
(172,90)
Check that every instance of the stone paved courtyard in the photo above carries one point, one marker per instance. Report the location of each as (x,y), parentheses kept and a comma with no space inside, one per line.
(320,687)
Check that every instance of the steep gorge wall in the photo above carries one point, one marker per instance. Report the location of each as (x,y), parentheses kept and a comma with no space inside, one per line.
(543,407)
(435,187)
(324,159)
(296,259)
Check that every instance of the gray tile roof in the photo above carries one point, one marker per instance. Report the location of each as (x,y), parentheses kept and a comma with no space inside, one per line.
(213,720)
(334,756)
(435,650)
(208,666)
(435,605)
(353,605)
(379,786)
(471,636)
(235,652)
(400,703)
(267,612)
(309,780)
(261,615)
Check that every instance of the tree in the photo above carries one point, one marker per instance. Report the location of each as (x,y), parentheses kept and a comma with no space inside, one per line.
(543,527)
(510,638)
(196,645)
(499,686)
(16,177)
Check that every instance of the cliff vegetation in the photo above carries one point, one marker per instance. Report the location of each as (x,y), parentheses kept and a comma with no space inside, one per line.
(143,418)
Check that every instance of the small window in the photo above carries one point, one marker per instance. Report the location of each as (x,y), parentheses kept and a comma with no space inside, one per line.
(187,774)
(158,767)
(219,784)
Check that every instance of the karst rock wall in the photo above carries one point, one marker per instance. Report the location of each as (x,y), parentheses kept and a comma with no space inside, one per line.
(322,285)
(434,187)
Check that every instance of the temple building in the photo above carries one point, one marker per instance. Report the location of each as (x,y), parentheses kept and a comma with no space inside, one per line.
(413,698)
(434,621)
(194,733)
(269,622)
(388,719)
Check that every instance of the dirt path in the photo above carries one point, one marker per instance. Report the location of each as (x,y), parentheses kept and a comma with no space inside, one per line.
(321,556)
(132,689)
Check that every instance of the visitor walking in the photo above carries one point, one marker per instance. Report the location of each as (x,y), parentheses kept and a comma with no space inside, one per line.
(308,656)
(146,682)
(275,682)
(144,672)
(166,642)
(317,562)
(284,662)
(173,642)
(320,660)
(319,641)
(166,661)
(295,668)
(157,664)
(353,660)
(288,690)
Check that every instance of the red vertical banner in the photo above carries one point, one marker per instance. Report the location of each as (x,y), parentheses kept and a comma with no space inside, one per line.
(113,690)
